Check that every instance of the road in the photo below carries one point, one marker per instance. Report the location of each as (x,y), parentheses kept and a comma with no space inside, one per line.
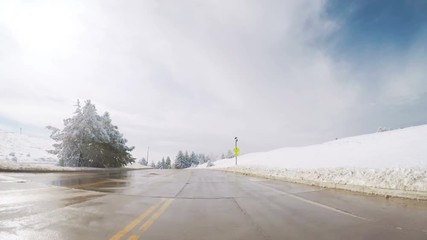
(194,204)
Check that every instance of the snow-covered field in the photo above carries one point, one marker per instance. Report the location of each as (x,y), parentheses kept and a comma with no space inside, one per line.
(392,160)
(21,148)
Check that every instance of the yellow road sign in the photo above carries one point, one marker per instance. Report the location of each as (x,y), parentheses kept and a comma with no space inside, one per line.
(236,151)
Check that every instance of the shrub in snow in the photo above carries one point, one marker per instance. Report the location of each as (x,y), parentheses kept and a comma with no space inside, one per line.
(143,162)
(90,140)
(383,129)
(14,158)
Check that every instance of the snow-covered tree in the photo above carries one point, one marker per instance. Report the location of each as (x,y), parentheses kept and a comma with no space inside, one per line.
(180,160)
(230,154)
(201,158)
(163,163)
(193,159)
(159,165)
(383,129)
(187,161)
(168,162)
(90,140)
(143,162)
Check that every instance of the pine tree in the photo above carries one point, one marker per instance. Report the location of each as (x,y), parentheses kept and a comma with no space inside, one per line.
(89,140)
(159,165)
(230,154)
(193,159)
(168,162)
(179,160)
(143,162)
(187,162)
(163,163)
(201,158)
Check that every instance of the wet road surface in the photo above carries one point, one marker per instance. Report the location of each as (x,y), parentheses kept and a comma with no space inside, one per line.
(194,204)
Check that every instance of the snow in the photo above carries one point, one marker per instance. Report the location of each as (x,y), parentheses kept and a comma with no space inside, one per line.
(35,167)
(136,165)
(21,148)
(387,160)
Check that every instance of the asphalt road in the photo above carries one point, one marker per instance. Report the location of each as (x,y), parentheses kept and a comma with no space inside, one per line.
(195,204)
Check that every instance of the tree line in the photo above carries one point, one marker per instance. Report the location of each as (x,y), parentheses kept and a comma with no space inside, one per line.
(184,159)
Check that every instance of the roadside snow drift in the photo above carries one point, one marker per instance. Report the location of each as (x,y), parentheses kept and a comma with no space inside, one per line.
(394,160)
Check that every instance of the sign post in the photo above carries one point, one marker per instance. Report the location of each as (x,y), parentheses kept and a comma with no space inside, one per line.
(236,149)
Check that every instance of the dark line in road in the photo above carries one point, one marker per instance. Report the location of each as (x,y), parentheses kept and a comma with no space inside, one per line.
(185,184)
(257,227)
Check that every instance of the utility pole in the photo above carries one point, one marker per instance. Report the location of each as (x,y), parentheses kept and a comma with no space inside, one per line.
(148,150)
(20,131)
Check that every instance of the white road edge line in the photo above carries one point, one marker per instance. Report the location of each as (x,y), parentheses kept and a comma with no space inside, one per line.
(313,203)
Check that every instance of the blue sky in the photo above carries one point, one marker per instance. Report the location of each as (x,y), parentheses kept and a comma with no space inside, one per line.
(195,74)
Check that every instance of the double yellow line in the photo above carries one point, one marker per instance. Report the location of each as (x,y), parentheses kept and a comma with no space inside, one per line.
(164,204)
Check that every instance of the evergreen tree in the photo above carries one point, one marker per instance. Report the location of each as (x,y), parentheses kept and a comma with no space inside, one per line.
(230,154)
(187,162)
(89,140)
(193,159)
(143,162)
(163,163)
(201,158)
(168,162)
(158,165)
(179,160)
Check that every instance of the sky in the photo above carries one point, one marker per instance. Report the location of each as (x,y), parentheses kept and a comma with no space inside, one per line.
(192,75)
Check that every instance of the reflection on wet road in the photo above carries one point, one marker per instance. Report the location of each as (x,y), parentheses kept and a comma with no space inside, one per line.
(194,204)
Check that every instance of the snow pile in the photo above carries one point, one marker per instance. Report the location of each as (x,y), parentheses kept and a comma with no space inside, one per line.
(388,160)
(20,148)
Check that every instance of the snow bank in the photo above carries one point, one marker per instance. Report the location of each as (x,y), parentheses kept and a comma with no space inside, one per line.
(137,165)
(394,160)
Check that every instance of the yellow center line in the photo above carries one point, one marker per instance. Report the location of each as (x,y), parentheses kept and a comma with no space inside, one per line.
(135,222)
(151,220)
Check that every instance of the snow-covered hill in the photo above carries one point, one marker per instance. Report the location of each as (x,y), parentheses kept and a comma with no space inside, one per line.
(20,148)
(391,160)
